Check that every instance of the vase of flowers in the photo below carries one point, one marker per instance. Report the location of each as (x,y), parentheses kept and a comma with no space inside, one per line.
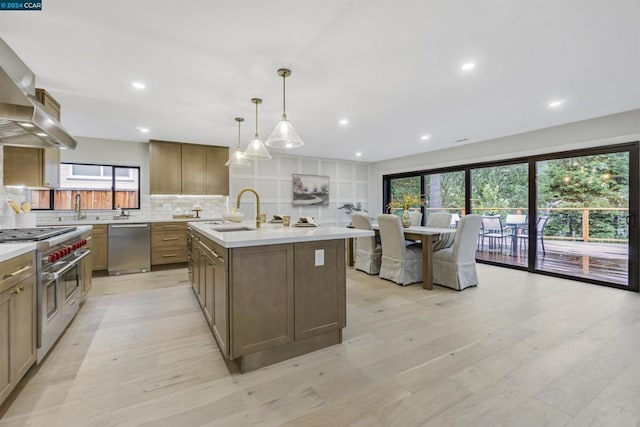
(406,202)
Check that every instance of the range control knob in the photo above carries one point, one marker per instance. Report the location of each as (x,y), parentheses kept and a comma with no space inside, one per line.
(52,257)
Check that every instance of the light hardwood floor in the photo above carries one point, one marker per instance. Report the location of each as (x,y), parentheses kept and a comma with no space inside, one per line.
(520,350)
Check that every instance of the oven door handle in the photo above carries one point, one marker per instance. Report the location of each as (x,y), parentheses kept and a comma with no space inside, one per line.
(50,277)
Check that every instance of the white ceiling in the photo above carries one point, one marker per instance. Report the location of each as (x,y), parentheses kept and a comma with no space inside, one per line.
(391,67)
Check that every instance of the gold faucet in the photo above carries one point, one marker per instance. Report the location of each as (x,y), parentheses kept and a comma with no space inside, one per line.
(244,190)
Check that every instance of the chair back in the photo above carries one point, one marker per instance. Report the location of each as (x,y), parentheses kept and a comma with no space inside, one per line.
(439,220)
(491,223)
(416,217)
(516,219)
(465,241)
(391,236)
(542,222)
(360,220)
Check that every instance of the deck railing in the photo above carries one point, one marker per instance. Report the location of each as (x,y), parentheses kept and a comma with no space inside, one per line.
(583,219)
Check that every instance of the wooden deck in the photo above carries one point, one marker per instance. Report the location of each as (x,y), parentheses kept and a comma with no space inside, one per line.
(607,262)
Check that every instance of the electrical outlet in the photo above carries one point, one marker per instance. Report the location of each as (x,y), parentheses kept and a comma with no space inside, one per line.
(319,257)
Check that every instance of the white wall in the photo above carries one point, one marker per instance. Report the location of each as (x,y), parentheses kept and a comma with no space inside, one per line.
(606,130)
(348,182)
(112,152)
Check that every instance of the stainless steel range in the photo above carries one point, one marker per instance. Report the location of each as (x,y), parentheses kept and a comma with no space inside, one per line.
(59,255)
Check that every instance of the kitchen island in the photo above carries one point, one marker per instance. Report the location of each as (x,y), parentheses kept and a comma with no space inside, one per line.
(272,293)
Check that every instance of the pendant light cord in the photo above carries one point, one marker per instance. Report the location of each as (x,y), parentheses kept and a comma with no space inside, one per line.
(284,98)
(238,134)
(256,120)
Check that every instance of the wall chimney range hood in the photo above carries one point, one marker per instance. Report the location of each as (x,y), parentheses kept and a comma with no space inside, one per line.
(23,120)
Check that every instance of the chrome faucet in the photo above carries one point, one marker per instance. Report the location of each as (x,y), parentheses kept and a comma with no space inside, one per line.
(78,208)
(244,190)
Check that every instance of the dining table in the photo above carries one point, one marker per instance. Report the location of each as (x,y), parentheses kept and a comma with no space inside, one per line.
(515,226)
(432,238)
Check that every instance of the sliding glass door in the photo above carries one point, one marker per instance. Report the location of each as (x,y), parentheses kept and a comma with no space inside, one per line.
(445,192)
(583,217)
(500,194)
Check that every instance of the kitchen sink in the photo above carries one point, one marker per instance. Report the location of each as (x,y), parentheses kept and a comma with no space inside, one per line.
(228,228)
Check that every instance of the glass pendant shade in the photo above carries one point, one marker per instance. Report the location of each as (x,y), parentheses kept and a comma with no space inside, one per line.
(256,149)
(237,158)
(284,135)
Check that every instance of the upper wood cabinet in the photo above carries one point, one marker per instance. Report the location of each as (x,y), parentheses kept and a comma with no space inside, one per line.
(34,167)
(165,167)
(194,169)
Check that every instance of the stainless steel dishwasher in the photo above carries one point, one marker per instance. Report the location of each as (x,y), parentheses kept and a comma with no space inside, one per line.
(129,248)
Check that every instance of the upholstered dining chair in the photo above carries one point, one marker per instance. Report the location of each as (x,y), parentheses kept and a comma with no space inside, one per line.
(455,266)
(401,263)
(416,217)
(439,220)
(368,252)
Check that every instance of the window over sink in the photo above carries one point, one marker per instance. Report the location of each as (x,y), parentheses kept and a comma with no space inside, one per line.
(100,187)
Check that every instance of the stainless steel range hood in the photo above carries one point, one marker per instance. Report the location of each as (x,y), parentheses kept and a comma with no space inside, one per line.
(23,120)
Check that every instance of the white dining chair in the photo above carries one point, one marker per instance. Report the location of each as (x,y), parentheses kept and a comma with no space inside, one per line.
(416,218)
(455,266)
(401,263)
(368,252)
(439,220)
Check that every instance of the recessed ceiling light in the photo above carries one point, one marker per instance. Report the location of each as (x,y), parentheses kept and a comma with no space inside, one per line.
(556,103)
(358,154)
(26,125)
(138,85)
(344,122)
(468,66)
(288,145)
(42,134)
(425,137)
(143,130)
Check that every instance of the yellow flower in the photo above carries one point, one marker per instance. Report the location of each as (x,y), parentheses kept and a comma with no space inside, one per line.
(407,201)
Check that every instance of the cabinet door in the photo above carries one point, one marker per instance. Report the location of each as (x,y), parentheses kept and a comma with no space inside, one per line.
(220,324)
(87,268)
(99,247)
(261,292)
(164,167)
(209,277)
(193,169)
(23,166)
(319,289)
(23,328)
(217,174)
(5,375)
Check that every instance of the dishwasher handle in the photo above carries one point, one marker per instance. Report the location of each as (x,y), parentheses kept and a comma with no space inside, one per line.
(130,226)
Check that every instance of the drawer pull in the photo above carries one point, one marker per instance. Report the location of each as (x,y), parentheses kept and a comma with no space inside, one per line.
(18,290)
(17,272)
(169,255)
(165,239)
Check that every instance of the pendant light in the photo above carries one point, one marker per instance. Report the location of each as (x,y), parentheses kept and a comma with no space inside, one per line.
(237,158)
(256,149)
(284,135)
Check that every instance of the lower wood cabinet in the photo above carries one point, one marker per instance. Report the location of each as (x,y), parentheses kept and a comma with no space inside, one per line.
(99,247)
(17,321)
(265,304)
(168,242)
(87,267)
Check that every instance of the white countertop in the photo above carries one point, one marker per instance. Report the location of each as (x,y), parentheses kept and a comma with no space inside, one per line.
(12,250)
(272,234)
(131,220)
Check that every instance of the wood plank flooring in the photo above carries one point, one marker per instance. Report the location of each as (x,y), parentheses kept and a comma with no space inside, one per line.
(519,350)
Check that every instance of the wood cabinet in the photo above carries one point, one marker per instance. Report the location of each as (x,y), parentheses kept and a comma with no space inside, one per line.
(168,242)
(320,290)
(86,282)
(99,247)
(17,321)
(269,303)
(194,169)
(165,167)
(34,167)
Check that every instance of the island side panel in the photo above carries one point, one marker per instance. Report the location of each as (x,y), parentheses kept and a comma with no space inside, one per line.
(262,298)
(320,290)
